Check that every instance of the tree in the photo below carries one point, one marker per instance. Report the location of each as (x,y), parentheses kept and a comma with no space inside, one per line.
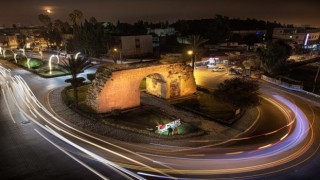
(75,67)
(89,38)
(45,20)
(251,63)
(238,92)
(93,20)
(274,57)
(195,41)
(76,17)
(58,24)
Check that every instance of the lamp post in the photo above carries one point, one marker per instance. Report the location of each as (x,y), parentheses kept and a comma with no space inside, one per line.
(190,53)
(116,50)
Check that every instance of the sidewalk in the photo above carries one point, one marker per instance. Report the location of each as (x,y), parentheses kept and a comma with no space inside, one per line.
(218,133)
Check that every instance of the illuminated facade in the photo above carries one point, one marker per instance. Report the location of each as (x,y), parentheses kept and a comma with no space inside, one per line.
(114,90)
(301,36)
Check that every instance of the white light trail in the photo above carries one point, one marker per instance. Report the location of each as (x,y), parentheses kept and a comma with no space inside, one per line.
(72,157)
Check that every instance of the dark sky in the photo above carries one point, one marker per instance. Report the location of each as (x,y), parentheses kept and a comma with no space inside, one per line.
(300,12)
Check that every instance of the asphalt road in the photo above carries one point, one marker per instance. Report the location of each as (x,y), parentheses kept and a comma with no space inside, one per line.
(286,137)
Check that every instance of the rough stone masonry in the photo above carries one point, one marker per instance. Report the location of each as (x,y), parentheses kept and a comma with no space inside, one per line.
(119,89)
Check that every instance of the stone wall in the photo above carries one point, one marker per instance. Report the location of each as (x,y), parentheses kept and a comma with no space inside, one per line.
(156,85)
(119,89)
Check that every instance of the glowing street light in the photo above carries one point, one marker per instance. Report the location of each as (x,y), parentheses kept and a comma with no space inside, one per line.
(190,53)
(116,50)
(49,11)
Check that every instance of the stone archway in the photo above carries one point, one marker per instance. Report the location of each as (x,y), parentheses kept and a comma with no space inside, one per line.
(156,85)
(119,89)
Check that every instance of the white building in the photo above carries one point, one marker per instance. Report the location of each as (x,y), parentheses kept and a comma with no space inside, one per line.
(301,36)
(136,45)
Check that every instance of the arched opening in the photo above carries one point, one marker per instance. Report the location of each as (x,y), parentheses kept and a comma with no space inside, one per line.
(154,84)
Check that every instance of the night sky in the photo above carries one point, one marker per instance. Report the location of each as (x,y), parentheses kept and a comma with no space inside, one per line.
(299,12)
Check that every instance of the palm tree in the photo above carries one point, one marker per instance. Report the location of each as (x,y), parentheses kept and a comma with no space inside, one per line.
(75,67)
(58,24)
(75,17)
(195,41)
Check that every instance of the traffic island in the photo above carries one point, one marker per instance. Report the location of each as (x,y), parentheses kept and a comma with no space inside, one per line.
(145,119)
(210,131)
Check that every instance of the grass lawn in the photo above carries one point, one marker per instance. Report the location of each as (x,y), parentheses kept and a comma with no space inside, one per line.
(148,118)
(206,104)
(82,93)
(34,63)
(53,73)
(144,118)
(9,57)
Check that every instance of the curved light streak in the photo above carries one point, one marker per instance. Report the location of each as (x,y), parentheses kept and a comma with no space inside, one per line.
(28,62)
(21,91)
(50,62)
(76,56)
(298,141)
(15,57)
(41,54)
(22,87)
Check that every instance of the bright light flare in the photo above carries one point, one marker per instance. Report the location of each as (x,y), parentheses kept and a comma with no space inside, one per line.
(50,62)
(76,57)
(28,62)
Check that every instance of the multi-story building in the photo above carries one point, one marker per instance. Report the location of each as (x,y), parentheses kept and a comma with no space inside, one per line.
(131,46)
(302,36)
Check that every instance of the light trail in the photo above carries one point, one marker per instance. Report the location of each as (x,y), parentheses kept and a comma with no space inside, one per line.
(24,88)
(295,143)
(9,110)
(100,159)
(72,157)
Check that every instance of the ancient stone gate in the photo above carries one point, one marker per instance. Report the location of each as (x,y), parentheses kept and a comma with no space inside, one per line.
(119,89)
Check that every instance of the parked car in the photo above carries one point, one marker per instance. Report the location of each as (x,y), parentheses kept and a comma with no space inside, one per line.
(211,65)
(218,69)
(235,70)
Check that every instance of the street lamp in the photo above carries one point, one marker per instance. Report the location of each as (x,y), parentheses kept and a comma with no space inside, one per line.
(116,50)
(190,53)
